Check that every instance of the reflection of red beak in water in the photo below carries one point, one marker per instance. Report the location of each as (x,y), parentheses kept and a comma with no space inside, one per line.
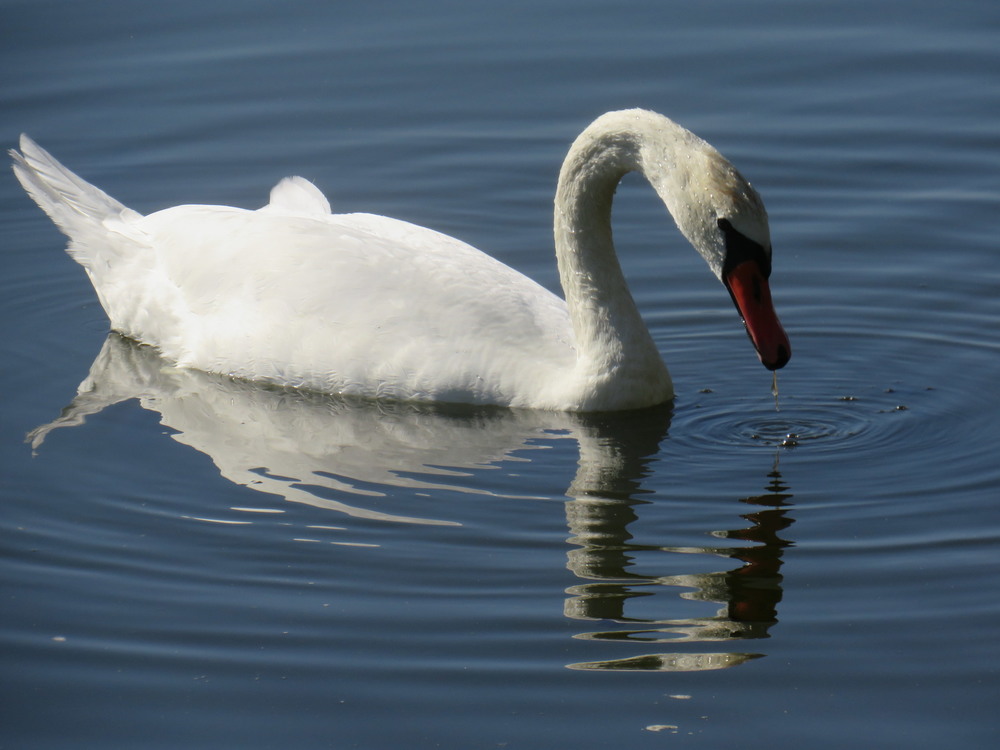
(745,276)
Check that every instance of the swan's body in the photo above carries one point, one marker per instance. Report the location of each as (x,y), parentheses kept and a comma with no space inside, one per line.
(361,304)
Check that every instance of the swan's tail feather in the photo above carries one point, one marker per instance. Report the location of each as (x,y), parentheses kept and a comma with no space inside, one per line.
(86,214)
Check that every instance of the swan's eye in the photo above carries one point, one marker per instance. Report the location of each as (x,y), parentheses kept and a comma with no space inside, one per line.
(740,248)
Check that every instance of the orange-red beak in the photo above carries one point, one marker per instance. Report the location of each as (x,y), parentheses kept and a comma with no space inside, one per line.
(750,291)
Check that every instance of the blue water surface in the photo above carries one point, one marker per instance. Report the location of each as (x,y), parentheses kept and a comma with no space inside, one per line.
(194,562)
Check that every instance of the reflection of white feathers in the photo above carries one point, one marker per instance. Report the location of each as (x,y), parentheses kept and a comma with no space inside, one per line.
(312,448)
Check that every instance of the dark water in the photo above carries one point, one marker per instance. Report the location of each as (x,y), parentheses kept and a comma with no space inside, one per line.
(190,562)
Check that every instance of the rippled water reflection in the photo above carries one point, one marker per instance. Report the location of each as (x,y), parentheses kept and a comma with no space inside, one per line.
(749,593)
(312,449)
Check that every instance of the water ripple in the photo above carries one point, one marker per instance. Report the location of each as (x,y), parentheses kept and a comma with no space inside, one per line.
(828,423)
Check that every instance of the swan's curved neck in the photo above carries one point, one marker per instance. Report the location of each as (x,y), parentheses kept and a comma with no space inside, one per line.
(612,340)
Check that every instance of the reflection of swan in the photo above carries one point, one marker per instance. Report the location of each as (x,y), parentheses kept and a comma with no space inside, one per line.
(316,449)
(365,305)
(750,593)
(307,447)
(323,450)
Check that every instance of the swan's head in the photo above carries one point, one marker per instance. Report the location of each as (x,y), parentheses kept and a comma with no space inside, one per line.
(723,217)
(715,208)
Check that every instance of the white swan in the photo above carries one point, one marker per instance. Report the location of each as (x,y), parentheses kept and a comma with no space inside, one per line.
(360,304)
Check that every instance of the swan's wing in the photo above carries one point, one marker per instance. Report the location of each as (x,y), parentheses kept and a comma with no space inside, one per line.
(296,196)
(351,303)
